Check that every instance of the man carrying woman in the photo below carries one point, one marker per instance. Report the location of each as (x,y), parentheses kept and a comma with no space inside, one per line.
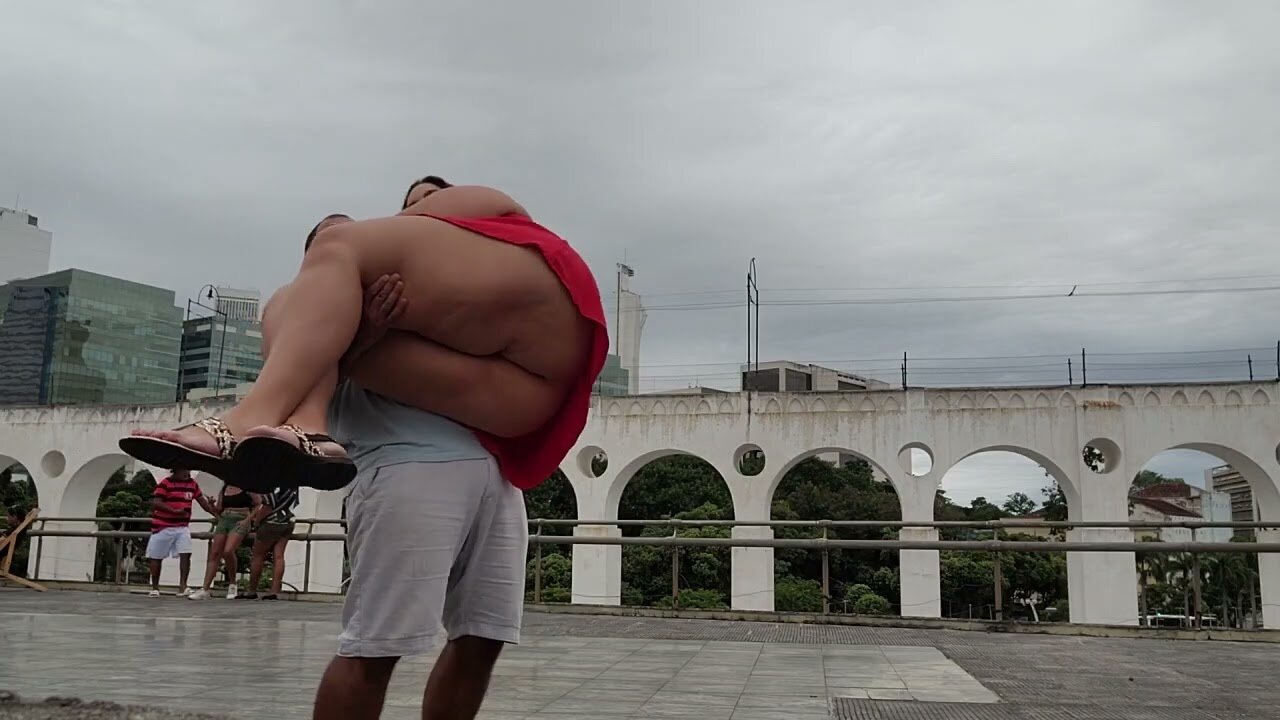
(467,338)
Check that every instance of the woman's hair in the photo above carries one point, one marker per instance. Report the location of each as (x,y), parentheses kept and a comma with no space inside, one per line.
(428,180)
(311,236)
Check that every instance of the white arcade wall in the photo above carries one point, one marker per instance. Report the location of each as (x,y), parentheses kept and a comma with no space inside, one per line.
(71,452)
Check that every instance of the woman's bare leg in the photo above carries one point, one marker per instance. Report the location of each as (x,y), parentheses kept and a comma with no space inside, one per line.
(452,279)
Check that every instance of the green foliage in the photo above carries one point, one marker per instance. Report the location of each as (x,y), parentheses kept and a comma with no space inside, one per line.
(701,599)
(872,604)
(854,593)
(123,496)
(797,595)
(1019,504)
(1147,478)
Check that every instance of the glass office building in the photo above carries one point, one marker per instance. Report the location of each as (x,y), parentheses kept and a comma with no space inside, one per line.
(76,337)
(614,379)
(219,354)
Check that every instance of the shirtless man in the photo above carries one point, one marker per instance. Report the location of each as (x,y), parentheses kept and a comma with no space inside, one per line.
(502,331)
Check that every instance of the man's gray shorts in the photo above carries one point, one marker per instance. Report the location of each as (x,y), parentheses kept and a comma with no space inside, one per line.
(432,543)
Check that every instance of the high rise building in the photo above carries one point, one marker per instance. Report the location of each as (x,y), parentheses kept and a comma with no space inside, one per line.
(236,304)
(787,376)
(1226,479)
(218,355)
(24,246)
(613,379)
(76,337)
(629,327)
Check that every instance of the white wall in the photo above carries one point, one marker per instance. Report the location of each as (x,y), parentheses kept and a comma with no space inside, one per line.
(72,451)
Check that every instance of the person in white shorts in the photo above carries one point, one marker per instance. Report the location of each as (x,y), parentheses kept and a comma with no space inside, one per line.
(436,537)
(171,526)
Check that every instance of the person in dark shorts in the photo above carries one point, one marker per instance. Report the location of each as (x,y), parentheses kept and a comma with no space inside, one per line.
(274,519)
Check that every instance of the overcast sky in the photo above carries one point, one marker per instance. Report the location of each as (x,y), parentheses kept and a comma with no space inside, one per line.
(848,147)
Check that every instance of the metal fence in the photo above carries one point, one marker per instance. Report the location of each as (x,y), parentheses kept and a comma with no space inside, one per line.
(823,544)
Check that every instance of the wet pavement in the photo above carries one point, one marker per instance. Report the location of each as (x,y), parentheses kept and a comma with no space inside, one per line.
(252,659)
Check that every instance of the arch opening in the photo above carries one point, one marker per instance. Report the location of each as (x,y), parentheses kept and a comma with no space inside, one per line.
(554,499)
(681,487)
(1191,483)
(836,484)
(18,497)
(1003,483)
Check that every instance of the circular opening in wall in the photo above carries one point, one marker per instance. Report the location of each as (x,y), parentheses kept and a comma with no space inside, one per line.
(916,459)
(53,463)
(1100,455)
(749,459)
(593,461)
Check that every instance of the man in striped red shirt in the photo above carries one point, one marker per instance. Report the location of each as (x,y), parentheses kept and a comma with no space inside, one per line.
(171,526)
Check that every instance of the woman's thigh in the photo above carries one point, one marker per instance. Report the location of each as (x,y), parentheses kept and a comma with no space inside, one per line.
(464,291)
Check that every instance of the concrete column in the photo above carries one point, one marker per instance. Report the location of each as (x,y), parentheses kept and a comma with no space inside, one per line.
(920,576)
(597,569)
(327,557)
(919,571)
(1269,579)
(751,586)
(1102,587)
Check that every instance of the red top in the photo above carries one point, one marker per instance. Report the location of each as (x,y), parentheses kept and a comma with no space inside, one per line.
(177,496)
(528,460)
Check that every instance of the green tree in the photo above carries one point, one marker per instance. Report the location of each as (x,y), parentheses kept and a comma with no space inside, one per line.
(1019,504)
(797,595)
(1055,503)
(552,500)
(982,509)
(1147,478)
(872,604)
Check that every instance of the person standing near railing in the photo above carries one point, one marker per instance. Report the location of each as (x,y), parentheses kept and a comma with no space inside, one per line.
(274,521)
(171,526)
(229,530)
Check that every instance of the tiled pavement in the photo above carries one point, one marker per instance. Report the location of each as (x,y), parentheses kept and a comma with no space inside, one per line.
(245,659)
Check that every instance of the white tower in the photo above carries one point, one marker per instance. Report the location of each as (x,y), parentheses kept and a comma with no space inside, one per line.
(24,246)
(629,327)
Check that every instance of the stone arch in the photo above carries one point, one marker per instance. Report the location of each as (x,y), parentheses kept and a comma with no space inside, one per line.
(788,466)
(626,472)
(667,486)
(1069,490)
(554,499)
(80,498)
(1156,594)
(811,489)
(8,462)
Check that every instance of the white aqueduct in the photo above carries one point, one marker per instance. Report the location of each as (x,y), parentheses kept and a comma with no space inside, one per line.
(71,451)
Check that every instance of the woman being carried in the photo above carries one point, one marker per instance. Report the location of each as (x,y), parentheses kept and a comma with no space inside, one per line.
(502,331)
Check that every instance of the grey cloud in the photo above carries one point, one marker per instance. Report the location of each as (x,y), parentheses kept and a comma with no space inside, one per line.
(845,146)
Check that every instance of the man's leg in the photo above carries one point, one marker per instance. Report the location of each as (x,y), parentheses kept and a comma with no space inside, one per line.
(277,563)
(405,526)
(184,570)
(155,573)
(260,550)
(485,606)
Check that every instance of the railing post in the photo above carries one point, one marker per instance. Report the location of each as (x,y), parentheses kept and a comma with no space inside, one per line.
(537,567)
(675,572)
(826,572)
(35,574)
(306,566)
(1195,584)
(998,572)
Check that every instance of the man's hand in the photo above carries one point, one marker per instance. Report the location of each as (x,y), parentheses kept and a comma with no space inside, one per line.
(384,305)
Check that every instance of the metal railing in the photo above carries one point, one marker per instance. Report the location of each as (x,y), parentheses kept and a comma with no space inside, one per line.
(823,544)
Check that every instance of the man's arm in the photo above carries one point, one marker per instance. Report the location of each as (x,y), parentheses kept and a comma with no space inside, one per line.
(206,504)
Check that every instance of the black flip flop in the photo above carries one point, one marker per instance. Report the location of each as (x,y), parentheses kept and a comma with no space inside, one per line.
(175,456)
(265,463)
